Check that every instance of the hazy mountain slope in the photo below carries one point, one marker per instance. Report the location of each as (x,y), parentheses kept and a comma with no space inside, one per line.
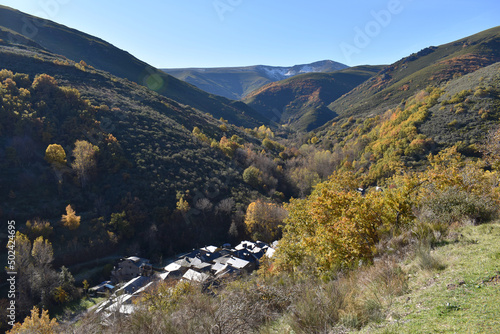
(238,82)
(78,46)
(431,66)
(301,101)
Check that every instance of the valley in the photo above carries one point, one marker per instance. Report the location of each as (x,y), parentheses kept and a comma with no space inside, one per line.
(356,179)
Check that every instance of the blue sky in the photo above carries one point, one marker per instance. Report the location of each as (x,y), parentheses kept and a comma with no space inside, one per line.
(217,33)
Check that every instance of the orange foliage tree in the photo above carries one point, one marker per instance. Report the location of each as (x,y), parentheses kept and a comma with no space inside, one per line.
(37,322)
(70,219)
(263,220)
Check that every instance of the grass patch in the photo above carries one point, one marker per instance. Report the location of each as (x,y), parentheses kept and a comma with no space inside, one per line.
(76,307)
(464,297)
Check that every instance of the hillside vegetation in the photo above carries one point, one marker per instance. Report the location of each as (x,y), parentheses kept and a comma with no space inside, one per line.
(417,256)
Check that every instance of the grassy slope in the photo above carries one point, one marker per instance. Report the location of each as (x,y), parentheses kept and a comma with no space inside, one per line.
(465,121)
(77,46)
(462,298)
(301,101)
(430,66)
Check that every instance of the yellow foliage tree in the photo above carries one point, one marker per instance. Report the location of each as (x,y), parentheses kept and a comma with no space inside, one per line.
(228,146)
(60,295)
(263,220)
(55,155)
(85,160)
(183,205)
(37,322)
(338,227)
(70,219)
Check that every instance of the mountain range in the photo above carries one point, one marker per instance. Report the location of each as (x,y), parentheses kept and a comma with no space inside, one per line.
(237,82)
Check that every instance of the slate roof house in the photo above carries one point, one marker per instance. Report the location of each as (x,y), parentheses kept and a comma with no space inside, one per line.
(131,267)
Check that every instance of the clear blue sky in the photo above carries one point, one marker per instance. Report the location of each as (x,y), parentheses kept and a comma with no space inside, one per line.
(213,33)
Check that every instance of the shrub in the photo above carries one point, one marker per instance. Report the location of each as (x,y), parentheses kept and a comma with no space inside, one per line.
(456,205)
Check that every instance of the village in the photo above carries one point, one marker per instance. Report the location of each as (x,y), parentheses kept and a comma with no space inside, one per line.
(133,275)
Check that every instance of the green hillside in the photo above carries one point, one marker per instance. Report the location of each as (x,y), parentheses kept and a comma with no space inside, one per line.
(78,46)
(301,102)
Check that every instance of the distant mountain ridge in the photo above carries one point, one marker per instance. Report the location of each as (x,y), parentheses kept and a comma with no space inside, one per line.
(237,82)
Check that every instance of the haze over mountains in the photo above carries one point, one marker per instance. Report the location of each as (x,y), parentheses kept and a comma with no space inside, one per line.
(237,82)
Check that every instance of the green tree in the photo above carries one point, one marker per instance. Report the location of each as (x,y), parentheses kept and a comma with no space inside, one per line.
(121,225)
(253,176)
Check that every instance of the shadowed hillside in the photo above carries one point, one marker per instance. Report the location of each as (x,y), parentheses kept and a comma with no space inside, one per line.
(95,52)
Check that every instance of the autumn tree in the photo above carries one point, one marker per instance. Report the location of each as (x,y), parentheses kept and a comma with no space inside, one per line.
(491,148)
(37,322)
(70,220)
(228,146)
(263,220)
(36,278)
(85,160)
(38,227)
(55,155)
(336,227)
(182,205)
(44,84)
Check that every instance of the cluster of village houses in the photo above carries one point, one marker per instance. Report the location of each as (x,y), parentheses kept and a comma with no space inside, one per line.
(133,275)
